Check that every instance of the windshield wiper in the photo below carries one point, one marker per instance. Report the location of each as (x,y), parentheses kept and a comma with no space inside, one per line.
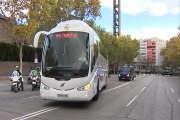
(78,74)
(56,71)
(62,78)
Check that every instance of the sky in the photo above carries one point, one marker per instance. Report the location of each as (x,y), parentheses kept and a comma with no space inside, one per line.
(143,19)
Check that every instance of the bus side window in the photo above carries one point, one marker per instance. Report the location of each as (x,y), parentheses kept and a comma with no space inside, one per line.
(93,63)
(94,58)
(45,48)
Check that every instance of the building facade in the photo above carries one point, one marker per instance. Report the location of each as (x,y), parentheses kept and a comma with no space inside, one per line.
(5,30)
(149,52)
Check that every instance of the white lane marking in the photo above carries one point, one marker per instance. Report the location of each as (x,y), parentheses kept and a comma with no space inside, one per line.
(172,90)
(31,97)
(179,100)
(30,115)
(116,87)
(132,100)
(138,77)
(119,86)
(143,89)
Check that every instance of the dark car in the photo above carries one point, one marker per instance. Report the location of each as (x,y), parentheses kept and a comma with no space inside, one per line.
(167,72)
(126,73)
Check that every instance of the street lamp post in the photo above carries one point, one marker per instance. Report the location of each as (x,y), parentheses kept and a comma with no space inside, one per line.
(179,21)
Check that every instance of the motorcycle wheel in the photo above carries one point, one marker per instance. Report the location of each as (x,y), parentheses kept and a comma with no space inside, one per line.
(14,89)
(33,87)
(29,81)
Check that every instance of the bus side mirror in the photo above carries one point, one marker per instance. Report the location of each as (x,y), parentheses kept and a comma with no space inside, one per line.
(36,37)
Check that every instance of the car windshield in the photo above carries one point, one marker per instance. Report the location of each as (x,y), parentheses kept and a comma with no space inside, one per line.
(125,69)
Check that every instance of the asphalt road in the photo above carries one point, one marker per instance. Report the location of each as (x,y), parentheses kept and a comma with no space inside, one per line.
(148,97)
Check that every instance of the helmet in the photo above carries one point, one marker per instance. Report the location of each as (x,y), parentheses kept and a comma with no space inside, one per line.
(17,67)
(38,68)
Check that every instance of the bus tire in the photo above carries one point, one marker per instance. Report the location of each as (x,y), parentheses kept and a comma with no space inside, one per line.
(106,83)
(33,87)
(97,94)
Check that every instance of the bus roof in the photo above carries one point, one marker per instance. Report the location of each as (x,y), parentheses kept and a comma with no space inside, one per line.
(72,25)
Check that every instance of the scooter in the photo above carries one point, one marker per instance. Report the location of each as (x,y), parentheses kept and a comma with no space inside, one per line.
(15,83)
(36,80)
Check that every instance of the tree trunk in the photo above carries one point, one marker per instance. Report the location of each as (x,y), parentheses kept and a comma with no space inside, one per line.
(114,69)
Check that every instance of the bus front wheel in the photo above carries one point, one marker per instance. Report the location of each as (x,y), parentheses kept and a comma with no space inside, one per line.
(97,93)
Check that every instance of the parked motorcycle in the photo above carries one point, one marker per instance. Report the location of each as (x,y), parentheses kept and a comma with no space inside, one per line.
(36,80)
(15,83)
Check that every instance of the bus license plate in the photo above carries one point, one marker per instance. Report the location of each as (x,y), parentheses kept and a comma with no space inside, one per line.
(62,95)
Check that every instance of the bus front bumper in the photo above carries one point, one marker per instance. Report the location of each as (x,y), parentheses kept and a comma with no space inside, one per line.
(70,95)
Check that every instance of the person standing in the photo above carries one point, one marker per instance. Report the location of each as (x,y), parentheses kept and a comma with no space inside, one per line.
(20,79)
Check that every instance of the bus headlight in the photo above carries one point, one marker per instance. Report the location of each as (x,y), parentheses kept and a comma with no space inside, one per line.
(84,88)
(43,86)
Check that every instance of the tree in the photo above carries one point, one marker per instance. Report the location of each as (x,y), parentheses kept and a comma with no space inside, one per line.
(127,49)
(78,9)
(14,18)
(120,50)
(41,14)
(28,16)
(171,52)
(25,17)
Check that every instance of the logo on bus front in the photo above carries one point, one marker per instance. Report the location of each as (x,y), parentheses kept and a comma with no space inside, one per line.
(66,27)
(62,85)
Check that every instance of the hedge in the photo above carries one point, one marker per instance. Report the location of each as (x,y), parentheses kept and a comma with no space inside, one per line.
(10,52)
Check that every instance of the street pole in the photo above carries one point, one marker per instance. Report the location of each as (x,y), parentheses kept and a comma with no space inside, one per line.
(179,21)
(35,58)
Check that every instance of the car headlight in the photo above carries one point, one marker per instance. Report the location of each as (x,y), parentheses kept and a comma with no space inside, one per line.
(119,74)
(43,86)
(128,75)
(84,88)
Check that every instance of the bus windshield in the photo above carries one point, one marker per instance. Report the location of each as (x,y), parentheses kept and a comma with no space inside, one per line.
(66,55)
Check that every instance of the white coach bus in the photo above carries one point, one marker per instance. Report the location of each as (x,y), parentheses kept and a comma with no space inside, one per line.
(72,67)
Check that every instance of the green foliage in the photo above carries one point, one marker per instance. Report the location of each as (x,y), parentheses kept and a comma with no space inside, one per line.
(172,52)
(127,49)
(78,9)
(45,14)
(120,50)
(28,53)
(10,52)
